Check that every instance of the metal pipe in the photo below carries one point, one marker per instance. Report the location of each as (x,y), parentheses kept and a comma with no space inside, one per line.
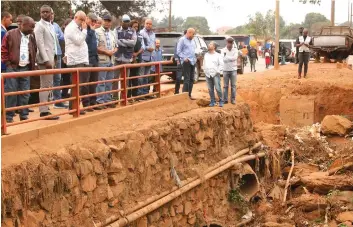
(146,210)
(155,198)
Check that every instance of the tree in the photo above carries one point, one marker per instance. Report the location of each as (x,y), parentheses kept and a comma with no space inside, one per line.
(177,22)
(242,29)
(312,18)
(32,8)
(200,24)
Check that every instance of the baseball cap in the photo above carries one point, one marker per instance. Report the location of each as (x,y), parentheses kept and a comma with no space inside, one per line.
(126,18)
(92,16)
(107,17)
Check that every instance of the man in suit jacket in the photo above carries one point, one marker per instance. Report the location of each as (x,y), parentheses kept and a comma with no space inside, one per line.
(47,50)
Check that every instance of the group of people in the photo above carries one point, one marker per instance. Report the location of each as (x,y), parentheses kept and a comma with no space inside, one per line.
(84,41)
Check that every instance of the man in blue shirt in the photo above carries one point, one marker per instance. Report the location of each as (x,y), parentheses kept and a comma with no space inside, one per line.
(156,56)
(57,77)
(6,20)
(149,40)
(186,53)
(179,72)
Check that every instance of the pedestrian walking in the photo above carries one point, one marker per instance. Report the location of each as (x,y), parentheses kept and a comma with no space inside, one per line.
(179,72)
(253,58)
(47,40)
(126,40)
(149,39)
(186,53)
(230,57)
(91,41)
(212,66)
(107,47)
(303,43)
(57,77)
(18,53)
(76,49)
(267,59)
(282,51)
(157,56)
(136,58)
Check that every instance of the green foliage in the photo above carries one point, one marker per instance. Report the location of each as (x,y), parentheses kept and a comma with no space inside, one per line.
(200,24)
(342,225)
(235,197)
(333,193)
(312,18)
(177,23)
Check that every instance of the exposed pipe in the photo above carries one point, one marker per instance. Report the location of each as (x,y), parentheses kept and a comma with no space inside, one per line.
(155,198)
(146,210)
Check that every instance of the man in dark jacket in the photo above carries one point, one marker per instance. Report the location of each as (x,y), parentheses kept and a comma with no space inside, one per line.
(253,58)
(18,53)
(91,40)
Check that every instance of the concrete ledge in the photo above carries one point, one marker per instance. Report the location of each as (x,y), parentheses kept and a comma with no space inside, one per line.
(82,120)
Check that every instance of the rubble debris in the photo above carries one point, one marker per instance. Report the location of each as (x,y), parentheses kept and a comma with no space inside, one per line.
(336,125)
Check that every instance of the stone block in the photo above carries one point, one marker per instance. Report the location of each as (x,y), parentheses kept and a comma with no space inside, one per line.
(89,183)
(116,166)
(142,222)
(97,166)
(154,217)
(100,194)
(35,219)
(69,178)
(83,168)
(115,178)
(297,111)
(187,208)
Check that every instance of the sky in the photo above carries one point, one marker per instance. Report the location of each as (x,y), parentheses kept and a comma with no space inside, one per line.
(235,12)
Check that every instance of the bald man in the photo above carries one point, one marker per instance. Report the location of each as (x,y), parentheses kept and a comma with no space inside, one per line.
(186,53)
(149,39)
(47,40)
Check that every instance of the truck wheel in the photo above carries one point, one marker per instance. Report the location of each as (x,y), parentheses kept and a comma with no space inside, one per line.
(197,75)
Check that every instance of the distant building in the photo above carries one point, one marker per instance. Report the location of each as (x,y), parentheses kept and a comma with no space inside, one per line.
(223,30)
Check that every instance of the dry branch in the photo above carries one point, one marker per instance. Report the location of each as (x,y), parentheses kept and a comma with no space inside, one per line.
(289,176)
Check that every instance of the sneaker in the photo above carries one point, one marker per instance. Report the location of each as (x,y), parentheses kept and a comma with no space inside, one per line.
(112,106)
(60,106)
(23,118)
(99,108)
(9,120)
(225,102)
(82,112)
(89,110)
(220,104)
(212,104)
(233,102)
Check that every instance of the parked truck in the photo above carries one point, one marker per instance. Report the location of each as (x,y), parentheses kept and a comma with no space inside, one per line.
(334,42)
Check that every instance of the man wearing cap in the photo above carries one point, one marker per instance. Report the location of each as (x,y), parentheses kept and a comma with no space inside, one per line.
(149,40)
(91,40)
(107,47)
(230,57)
(126,40)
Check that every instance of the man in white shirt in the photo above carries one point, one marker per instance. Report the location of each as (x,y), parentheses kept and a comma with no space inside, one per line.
(76,49)
(213,66)
(230,57)
(46,40)
(303,43)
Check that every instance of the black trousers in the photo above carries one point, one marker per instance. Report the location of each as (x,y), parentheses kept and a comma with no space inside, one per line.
(189,74)
(303,59)
(133,82)
(89,89)
(65,80)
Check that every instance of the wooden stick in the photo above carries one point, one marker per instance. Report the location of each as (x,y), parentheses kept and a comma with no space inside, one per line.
(335,170)
(289,176)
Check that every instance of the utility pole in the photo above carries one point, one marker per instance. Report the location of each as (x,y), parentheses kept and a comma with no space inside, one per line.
(277,36)
(333,12)
(351,14)
(170,15)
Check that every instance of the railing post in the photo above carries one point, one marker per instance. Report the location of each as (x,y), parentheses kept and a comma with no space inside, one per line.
(158,79)
(3,112)
(124,85)
(75,91)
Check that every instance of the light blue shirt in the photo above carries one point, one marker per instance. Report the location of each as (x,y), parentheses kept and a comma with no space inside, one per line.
(149,39)
(186,50)
(60,36)
(157,56)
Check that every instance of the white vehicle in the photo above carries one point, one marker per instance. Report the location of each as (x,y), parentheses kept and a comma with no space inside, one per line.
(291,49)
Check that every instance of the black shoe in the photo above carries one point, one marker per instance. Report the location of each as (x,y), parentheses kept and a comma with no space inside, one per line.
(89,110)
(191,98)
(112,106)
(60,106)
(48,114)
(225,102)
(23,118)
(99,108)
(30,110)
(141,99)
(9,120)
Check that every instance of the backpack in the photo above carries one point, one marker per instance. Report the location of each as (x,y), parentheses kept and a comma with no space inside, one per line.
(252,53)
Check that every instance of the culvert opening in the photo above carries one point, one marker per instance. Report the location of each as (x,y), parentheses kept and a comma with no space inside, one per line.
(248,185)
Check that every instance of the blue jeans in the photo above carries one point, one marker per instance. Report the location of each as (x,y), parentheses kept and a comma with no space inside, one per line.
(214,82)
(105,86)
(143,81)
(57,80)
(17,84)
(232,77)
